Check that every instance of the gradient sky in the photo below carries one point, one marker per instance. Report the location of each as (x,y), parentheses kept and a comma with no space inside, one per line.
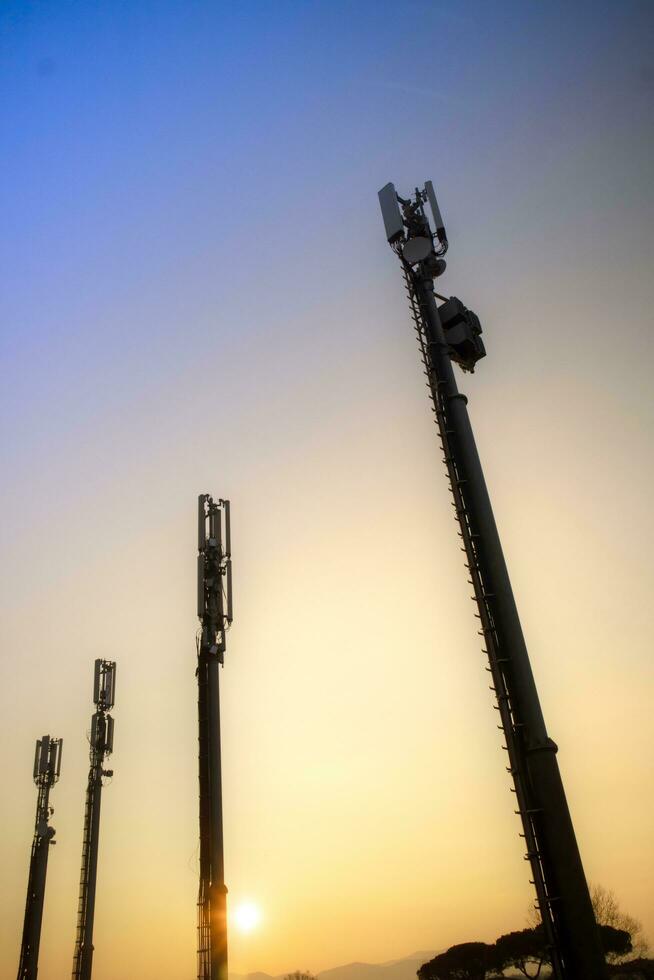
(198,296)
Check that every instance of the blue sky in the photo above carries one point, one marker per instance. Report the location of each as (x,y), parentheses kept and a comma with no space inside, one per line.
(198,296)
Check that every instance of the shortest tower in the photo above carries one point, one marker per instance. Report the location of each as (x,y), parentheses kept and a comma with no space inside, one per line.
(47,766)
(101,740)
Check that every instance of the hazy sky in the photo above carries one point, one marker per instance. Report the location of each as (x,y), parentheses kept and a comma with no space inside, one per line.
(198,296)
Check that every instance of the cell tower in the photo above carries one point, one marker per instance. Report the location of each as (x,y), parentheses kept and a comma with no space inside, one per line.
(47,766)
(101,740)
(446,333)
(215,614)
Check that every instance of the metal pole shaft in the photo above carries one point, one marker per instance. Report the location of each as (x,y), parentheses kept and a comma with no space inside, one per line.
(38,895)
(576,934)
(478,502)
(218,894)
(29,955)
(204,906)
(86,949)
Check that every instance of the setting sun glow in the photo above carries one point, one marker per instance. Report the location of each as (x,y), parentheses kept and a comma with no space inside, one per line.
(247,916)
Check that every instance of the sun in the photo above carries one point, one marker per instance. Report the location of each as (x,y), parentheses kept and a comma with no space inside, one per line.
(247,916)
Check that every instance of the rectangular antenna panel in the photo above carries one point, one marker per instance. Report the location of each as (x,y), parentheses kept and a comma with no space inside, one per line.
(436,211)
(216,526)
(60,751)
(200,586)
(111,685)
(230,609)
(202,523)
(228,529)
(45,752)
(221,601)
(96,681)
(109,739)
(391,213)
(94,729)
(37,757)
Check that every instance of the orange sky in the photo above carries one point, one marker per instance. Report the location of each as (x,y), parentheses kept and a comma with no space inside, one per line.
(171,339)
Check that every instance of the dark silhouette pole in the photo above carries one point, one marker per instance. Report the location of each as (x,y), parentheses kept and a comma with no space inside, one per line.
(47,766)
(101,746)
(215,614)
(446,333)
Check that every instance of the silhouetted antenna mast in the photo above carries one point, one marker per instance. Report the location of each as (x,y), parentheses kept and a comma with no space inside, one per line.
(101,741)
(446,333)
(215,614)
(47,766)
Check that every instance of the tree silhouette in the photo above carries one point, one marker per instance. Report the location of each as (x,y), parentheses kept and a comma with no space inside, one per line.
(608,913)
(525,950)
(465,961)
(616,942)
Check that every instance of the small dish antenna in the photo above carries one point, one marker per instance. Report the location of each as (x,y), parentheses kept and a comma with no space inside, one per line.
(417,249)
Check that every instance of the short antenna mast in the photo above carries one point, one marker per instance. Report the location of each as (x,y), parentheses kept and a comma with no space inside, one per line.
(47,767)
(101,742)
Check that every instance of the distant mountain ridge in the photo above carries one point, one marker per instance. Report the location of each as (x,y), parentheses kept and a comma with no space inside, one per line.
(403,969)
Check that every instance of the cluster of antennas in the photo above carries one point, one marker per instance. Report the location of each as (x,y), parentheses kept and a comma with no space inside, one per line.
(104,684)
(214,573)
(408,229)
(421,252)
(102,724)
(47,760)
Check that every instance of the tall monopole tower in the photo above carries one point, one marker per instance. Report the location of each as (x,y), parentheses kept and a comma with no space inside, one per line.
(449,332)
(215,615)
